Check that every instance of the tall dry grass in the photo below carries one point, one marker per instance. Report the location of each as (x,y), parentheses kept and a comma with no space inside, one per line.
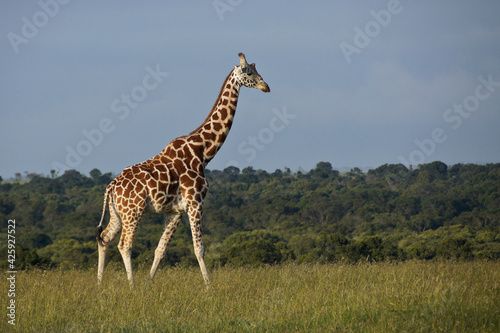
(384,297)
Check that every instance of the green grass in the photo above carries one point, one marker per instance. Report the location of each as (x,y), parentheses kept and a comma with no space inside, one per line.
(384,297)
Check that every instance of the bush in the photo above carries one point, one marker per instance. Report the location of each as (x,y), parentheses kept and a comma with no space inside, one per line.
(455,248)
(252,249)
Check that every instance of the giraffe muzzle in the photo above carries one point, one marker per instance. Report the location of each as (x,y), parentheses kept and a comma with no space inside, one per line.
(263,86)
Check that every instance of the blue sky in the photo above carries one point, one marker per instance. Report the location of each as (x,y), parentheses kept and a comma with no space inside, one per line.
(88,84)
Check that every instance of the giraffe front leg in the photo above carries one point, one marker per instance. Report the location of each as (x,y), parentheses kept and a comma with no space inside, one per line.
(195,214)
(164,241)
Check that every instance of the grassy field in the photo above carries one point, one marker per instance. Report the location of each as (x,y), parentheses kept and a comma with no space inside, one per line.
(385,297)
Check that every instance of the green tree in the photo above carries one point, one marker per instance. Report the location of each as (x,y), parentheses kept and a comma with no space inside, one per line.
(26,258)
(455,248)
(252,248)
(330,247)
(70,253)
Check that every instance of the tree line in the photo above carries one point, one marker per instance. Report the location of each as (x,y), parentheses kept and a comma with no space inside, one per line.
(253,217)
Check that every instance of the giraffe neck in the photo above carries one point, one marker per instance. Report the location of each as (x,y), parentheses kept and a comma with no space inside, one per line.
(215,128)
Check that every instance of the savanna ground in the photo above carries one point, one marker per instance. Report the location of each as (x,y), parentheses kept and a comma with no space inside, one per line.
(414,296)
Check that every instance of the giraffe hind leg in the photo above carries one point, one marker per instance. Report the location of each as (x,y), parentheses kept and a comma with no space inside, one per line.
(104,239)
(130,225)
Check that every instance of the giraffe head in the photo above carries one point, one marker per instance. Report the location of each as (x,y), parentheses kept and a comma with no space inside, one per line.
(248,76)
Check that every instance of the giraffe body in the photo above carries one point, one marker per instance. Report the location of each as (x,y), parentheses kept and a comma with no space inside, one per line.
(172,182)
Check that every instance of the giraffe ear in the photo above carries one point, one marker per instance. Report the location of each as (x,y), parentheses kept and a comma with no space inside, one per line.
(243,60)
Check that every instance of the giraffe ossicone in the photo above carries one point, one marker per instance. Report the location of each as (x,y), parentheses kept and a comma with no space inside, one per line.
(172,182)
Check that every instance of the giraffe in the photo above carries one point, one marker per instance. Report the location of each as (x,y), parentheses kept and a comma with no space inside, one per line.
(172,182)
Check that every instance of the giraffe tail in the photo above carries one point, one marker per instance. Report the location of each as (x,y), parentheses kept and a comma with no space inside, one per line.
(98,235)
(99,227)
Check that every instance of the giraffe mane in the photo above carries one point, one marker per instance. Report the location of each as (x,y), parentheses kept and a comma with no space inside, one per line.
(215,104)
